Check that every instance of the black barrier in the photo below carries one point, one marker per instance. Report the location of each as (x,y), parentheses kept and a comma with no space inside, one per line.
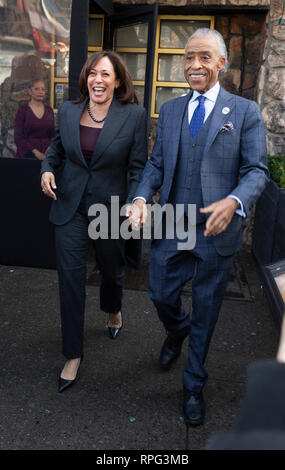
(26,235)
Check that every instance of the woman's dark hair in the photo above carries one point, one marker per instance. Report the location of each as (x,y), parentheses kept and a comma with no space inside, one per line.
(125,92)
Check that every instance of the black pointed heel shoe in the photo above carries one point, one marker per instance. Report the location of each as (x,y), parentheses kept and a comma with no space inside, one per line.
(113,332)
(63,384)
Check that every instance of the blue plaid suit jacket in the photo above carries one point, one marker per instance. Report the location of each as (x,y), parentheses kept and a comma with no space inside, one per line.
(234,159)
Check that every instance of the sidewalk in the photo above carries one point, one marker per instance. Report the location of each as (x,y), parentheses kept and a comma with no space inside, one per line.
(121,400)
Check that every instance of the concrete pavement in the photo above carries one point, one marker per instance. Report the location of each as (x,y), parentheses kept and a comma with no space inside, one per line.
(121,400)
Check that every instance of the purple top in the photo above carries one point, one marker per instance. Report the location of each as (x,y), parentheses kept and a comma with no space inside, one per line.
(88,140)
(30,132)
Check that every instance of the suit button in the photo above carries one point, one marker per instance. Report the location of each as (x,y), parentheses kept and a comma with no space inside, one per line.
(190,174)
(193,145)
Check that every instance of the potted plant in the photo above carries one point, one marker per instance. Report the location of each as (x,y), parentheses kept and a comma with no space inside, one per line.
(276,166)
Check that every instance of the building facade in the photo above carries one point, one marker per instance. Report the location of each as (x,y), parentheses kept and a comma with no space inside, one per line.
(49,40)
(37,36)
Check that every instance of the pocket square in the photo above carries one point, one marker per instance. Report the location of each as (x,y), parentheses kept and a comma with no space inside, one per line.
(228,126)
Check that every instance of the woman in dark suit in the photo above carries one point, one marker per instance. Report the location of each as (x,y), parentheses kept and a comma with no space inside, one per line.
(100,149)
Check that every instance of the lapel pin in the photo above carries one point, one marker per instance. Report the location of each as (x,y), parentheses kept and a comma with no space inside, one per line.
(225,110)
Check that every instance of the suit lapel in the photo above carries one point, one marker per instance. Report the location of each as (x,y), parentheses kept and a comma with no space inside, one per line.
(222,110)
(116,117)
(177,119)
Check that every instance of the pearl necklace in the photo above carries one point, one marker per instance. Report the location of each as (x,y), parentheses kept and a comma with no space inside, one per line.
(91,115)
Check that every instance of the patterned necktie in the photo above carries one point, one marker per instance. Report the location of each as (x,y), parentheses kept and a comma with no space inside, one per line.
(198,116)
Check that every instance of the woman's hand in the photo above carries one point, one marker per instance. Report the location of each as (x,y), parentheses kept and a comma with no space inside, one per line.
(39,155)
(48,184)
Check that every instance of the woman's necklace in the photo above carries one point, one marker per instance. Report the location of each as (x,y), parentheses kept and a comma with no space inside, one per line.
(91,115)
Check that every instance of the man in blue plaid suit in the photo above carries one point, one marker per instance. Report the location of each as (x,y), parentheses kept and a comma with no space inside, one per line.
(210,151)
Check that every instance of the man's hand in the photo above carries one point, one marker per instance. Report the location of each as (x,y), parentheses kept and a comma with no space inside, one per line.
(281,347)
(221,215)
(48,184)
(137,213)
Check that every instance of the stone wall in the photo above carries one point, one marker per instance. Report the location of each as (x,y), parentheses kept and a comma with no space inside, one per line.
(271,82)
(245,38)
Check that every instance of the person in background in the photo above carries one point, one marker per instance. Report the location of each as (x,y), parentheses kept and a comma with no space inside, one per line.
(34,126)
(101,148)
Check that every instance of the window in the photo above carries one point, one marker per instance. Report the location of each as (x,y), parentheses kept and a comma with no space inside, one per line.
(59,73)
(131,43)
(95,33)
(171,37)
(34,45)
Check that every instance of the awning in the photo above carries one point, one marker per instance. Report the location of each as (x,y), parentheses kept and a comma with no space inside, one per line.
(106,5)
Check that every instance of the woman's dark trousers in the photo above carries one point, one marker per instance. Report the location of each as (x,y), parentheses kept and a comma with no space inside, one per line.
(72,245)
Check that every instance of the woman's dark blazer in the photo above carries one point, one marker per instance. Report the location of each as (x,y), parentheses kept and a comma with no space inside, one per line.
(116,165)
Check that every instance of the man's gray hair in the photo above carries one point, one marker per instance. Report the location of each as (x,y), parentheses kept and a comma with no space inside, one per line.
(221,43)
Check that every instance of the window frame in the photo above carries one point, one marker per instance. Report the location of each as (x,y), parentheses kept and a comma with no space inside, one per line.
(139,14)
(133,50)
(53,78)
(158,83)
(97,48)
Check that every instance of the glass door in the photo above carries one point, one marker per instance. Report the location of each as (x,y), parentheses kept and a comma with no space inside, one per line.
(132,35)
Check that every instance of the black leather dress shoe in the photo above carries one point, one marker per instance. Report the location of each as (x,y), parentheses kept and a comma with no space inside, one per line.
(171,349)
(193,408)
